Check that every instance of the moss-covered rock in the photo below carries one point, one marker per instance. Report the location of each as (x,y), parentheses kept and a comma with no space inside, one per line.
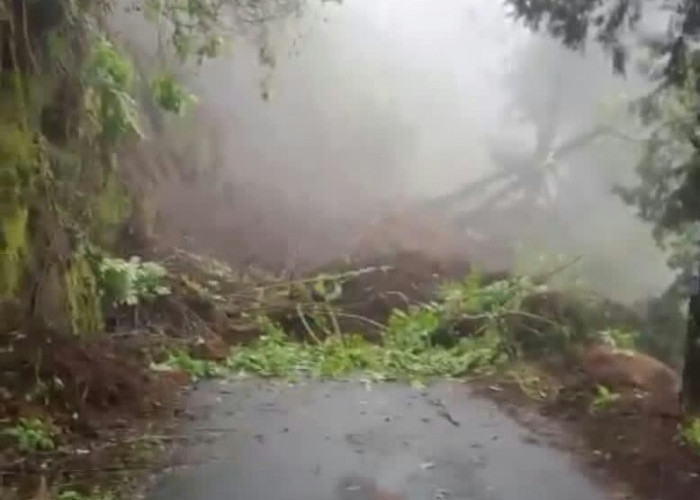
(111,209)
(84,306)
(14,247)
(64,116)
(19,162)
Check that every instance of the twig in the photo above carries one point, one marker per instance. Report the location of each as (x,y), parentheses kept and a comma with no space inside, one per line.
(116,469)
(286,304)
(155,437)
(19,88)
(444,412)
(25,27)
(136,332)
(531,316)
(215,430)
(330,277)
(401,295)
(448,416)
(311,333)
(546,276)
(369,321)
(316,313)
(334,322)
(492,317)
(336,312)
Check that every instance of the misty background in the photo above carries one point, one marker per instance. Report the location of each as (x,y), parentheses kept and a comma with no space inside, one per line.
(317,127)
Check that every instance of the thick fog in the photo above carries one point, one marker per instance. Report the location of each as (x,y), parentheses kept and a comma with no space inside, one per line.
(372,108)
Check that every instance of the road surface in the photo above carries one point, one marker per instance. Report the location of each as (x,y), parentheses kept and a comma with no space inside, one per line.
(353,441)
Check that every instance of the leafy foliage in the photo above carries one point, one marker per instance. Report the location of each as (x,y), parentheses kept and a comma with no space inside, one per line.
(32,434)
(604,397)
(668,190)
(109,104)
(470,328)
(276,355)
(662,331)
(195,368)
(170,95)
(194,28)
(689,434)
(130,282)
(77,495)
(610,23)
(619,338)
(664,193)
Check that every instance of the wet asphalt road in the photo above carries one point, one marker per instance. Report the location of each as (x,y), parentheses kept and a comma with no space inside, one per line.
(350,441)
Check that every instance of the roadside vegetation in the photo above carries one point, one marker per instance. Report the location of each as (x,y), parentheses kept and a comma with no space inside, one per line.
(32,434)
(689,434)
(603,398)
(469,328)
(76,495)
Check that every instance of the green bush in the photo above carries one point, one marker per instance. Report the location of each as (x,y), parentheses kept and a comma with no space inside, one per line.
(619,338)
(690,434)
(170,95)
(76,495)
(604,397)
(406,353)
(471,328)
(32,434)
(130,282)
(195,368)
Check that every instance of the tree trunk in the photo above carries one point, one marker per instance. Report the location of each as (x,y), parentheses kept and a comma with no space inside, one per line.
(690,392)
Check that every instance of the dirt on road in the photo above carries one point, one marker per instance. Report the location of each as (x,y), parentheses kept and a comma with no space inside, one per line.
(632,438)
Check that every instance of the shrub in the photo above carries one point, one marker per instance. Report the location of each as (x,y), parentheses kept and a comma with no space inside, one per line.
(32,434)
(130,282)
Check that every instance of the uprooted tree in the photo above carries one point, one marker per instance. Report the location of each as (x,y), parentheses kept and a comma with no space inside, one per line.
(539,188)
(668,187)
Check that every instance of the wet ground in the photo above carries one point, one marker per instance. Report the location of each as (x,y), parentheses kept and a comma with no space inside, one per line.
(352,441)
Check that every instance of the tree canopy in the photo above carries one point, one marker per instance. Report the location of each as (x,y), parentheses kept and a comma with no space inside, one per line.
(662,40)
(667,193)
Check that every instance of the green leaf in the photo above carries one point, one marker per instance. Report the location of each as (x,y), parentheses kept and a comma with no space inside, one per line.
(170,95)
(133,281)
